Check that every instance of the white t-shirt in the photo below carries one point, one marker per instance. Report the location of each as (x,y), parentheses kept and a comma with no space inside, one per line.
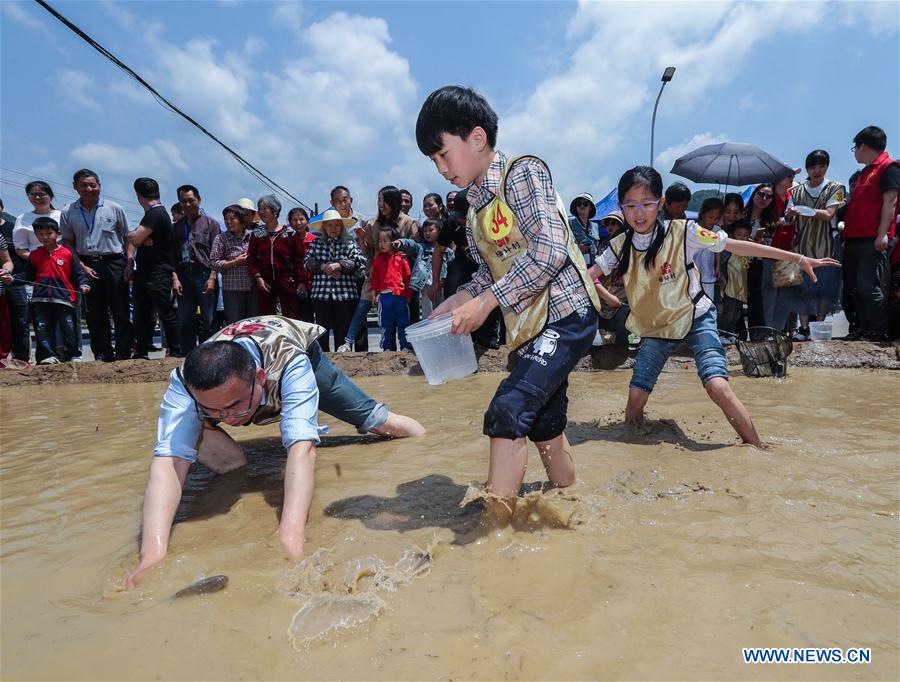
(698,240)
(24,238)
(705,260)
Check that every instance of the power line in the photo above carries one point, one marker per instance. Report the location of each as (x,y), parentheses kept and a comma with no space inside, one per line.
(129,212)
(59,183)
(250,168)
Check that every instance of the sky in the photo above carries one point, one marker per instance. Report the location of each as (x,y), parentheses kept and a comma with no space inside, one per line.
(317,94)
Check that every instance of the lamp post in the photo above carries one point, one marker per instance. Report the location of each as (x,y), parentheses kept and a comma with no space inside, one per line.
(666,77)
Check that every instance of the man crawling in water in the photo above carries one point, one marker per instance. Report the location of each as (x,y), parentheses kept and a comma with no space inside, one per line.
(256,371)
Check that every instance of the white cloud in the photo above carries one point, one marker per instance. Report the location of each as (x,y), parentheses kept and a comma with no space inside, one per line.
(77,85)
(157,159)
(17,12)
(289,14)
(603,98)
(666,158)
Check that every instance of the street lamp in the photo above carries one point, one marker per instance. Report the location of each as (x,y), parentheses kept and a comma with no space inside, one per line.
(666,77)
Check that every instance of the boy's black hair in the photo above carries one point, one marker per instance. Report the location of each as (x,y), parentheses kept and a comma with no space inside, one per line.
(733,198)
(454,110)
(740,224)
(336,189)
(84,173)
(406,191)
(677,191)
(641,175)
(816,157)
(210,365)
(711,204)
(148,188)
(873,137)
(176,208)
(45,223)
(187,188)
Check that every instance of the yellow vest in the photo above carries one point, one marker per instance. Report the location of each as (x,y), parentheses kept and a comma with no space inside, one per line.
(661,307)
(279,340)
(736,277)
(500,242)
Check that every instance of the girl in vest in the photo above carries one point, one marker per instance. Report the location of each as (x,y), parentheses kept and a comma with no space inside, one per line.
(668,306)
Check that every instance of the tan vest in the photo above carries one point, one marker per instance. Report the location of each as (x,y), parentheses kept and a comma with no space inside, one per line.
(496,235)
(661,307)
(736,277)
(279,340)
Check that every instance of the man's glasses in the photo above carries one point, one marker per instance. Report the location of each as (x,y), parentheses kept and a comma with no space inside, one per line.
(646,207)
(209,413)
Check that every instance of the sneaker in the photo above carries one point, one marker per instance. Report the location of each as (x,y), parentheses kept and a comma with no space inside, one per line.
(139,356)
(75,358)
(52,360)
(801,334)
(344,348)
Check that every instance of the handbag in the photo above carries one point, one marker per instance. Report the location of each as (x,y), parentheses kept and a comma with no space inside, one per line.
(786,274)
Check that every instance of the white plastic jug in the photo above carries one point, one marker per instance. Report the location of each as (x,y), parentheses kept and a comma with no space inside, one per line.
(443,355)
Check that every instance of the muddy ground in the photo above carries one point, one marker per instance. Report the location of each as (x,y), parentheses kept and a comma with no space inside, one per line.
(832,354)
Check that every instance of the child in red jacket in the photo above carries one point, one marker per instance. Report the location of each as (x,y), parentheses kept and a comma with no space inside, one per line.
(390,290)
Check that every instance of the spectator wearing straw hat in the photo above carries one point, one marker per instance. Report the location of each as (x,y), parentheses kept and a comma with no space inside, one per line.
(582,210)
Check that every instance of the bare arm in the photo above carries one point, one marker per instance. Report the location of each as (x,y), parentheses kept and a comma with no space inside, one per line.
(161,499)
(888,208)
(808,265)
(138,236)
(299,482)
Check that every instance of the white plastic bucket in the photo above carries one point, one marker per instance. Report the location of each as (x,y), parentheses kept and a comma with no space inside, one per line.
(820,331)
(443,356)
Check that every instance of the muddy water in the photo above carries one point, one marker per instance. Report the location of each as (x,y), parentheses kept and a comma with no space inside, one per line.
(681,547)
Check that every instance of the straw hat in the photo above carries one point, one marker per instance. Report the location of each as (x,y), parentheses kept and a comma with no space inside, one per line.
(328,215)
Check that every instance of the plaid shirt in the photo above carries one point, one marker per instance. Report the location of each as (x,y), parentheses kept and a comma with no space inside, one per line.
(530,195)
(340,250)
(227,247)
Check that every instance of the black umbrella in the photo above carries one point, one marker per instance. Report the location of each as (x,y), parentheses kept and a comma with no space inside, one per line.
(731,163)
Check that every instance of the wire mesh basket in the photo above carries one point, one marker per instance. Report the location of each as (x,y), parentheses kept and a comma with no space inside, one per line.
(764,352)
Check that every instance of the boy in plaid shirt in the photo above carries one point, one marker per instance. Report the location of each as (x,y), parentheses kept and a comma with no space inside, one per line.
(530,266)
(333,262)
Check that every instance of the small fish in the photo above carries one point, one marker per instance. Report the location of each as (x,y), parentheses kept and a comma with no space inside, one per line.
(205,586)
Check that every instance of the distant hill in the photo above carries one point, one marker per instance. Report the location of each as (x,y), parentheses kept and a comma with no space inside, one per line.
(697,198)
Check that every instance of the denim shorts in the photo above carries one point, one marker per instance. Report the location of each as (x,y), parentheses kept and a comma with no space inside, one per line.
(533,400)
(341,398)
(703,341)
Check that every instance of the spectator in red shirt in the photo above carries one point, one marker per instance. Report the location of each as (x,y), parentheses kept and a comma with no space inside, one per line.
(55,273)
(298,219)
(275,261)
(390,289)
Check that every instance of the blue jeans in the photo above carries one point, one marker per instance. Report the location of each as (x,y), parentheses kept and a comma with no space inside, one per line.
(341,398)
(393,316)
(50,318)
(193,278)
(703,340)
(359,319)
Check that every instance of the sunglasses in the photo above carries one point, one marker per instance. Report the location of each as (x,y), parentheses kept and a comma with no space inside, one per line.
(582,204)
(764,195)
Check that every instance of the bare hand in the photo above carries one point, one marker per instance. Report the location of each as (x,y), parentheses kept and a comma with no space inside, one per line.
(810,264)
(128,275)
(293,543)
(332,270)
(6,277)
(434,291)
(881,243)
(301,288)
(132,580)
(240,260)
(210,286)
(85,289)
(470,315)
(261,285)
(147,242)
(90,272)
(176,287)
